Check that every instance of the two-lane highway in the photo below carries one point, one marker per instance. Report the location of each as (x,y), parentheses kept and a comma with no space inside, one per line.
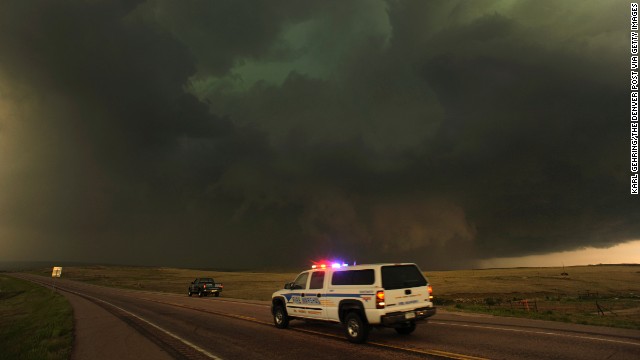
(221,328)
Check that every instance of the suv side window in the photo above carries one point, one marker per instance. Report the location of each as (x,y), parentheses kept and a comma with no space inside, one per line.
(353,277)
(317,280)
(301,281)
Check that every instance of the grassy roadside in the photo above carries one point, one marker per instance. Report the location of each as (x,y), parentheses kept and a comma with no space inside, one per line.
(35,322)
(577,313)
(604,295)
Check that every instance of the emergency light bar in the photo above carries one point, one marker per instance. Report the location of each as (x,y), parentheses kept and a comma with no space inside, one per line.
(335,265)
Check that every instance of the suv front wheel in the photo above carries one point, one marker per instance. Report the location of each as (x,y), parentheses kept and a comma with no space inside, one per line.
(355,328)
(280,318)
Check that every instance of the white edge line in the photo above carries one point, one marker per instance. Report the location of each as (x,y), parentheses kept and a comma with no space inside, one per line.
(184,341)
(538,332)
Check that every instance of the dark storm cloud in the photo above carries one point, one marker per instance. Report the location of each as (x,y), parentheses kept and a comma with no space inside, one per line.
(257,133)
(99,101)
(220,33)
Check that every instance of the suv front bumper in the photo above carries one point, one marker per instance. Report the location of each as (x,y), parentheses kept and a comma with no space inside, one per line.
(403,317)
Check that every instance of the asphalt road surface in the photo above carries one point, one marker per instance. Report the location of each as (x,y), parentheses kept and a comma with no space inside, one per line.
(126,324)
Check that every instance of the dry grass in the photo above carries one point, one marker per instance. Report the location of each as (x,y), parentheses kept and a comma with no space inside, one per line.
(240,285)
(600,295)
(569,298)
(606,280)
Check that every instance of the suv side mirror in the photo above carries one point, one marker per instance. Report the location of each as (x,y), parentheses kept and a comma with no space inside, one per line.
(287,286)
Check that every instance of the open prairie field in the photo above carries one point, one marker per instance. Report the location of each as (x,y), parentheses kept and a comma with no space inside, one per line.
(606,280)
(241,285)
(600,295)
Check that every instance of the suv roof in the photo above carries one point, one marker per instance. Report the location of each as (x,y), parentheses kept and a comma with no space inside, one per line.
(357,267)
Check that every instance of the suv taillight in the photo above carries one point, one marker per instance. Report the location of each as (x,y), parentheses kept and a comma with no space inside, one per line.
(380,300)
(430,289)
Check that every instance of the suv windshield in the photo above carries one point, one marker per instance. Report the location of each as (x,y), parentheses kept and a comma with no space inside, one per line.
(301,281)
(206,280)
(402,276)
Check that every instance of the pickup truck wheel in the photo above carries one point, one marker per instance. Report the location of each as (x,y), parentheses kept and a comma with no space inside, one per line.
(200,293)
(217,294)
(355,329)
(406,330)
(280,317)
(189,293)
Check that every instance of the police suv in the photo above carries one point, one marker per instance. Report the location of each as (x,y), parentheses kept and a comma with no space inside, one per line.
(359,297)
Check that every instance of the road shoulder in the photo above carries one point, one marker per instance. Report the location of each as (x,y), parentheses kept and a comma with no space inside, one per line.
(101,335)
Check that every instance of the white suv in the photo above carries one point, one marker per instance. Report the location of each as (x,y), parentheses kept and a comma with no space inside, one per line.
(359,297)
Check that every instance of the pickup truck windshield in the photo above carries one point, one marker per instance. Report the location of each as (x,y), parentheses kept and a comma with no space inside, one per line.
(402,276)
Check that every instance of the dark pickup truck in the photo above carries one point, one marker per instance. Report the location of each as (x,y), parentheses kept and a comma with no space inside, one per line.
(204,287)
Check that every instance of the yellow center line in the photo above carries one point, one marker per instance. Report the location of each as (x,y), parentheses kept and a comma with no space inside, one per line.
(434,352)
(235,316)
(440,353)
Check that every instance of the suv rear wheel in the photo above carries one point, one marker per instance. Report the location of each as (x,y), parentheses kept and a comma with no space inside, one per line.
(406,330)
(355,329)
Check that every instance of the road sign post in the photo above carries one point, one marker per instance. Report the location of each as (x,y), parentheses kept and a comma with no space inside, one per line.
(57,271)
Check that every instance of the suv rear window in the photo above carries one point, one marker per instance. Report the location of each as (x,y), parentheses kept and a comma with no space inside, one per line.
(353,277)
(402,276)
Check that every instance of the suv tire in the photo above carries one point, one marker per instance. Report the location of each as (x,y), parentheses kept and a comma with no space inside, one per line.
(189,293)
(280,317)
(355,328)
